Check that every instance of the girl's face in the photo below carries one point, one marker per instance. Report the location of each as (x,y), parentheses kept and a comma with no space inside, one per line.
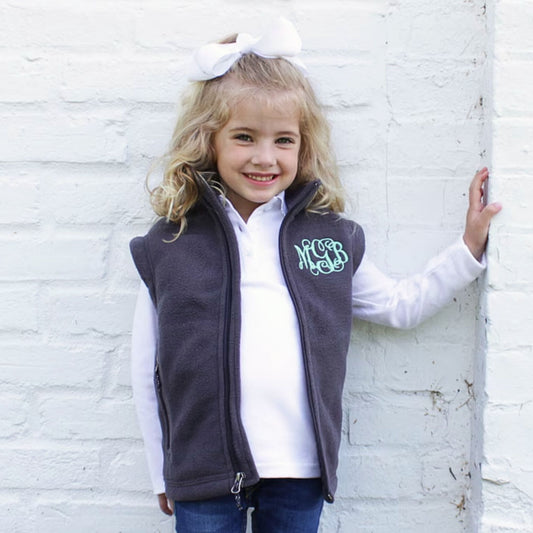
(257,151)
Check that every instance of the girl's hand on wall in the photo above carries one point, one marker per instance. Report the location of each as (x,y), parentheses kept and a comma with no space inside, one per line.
(478,216)
(164,504)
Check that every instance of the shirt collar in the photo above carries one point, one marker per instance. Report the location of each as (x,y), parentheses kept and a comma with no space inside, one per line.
(277,202)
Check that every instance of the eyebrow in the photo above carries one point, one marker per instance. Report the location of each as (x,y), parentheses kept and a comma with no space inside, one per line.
(251,130)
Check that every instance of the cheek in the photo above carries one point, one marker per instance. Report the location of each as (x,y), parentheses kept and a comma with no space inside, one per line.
(219,151)
(296,161)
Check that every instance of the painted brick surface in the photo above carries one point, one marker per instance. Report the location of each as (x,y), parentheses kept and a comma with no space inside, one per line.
(507,481)
(87,100)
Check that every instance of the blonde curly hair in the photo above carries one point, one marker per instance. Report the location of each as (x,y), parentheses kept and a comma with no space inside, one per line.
(206,107)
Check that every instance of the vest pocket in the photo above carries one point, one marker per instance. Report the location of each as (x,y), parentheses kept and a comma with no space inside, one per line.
(163,414)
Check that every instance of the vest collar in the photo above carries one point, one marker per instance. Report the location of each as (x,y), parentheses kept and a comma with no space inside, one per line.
(297,197)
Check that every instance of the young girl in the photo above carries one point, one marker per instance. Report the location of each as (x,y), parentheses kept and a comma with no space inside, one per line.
(251,279)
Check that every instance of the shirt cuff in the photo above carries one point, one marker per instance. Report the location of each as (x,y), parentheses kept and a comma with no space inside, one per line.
(472,266)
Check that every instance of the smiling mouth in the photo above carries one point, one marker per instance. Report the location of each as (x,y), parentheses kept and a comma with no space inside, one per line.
(261,178)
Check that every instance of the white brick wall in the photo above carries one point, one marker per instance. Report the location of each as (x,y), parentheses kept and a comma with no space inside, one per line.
(507,481)
(88,98)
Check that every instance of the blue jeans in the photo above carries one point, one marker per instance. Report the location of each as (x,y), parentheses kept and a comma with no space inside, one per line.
(279,506)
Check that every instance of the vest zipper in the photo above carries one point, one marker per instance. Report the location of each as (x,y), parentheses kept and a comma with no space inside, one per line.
(216,206)
(239,476)
(236,489)
(320,449)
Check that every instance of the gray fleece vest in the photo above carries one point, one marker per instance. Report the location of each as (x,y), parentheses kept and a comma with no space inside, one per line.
(194,282)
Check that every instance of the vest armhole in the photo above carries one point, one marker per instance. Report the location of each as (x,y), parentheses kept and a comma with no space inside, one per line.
(143,264)
(358,246)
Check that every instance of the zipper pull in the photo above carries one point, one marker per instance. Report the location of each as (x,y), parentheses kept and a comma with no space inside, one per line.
(236,489)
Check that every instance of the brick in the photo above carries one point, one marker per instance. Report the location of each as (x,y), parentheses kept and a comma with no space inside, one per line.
(508,376)
(14,515)
(504,331)
(369,143)
(512,20)
(85,418)
(360,372)
(439,202)
(76,312)
(512,144)
(381,475)
(124,469)
(446,473)
(61,24)
(55,136)
(122,367)
(63,257)
(20,200)
(67,516)
(416,147)
(329,78)
(411,248)
(402,423)
(456,322)
(410,366)
(36,365)
(173,26)
(513,266)
(28,79)
(367,194)
(512,99)
(491,527)
(14,415)
(508,435)
(434,87)
(45,468)
(156,28)
(508,509)
(159,124)
(156,78)
(416,29)
(388,516)
(366,36)
(508,487)
(86,201)
(19,309)
(495,472)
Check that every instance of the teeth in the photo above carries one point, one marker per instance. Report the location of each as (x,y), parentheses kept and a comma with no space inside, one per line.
(260,178)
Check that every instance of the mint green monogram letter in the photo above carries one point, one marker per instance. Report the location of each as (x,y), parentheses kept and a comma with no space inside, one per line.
(321,256)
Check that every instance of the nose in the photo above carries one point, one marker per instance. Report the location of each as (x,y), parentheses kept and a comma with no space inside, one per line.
(263,155)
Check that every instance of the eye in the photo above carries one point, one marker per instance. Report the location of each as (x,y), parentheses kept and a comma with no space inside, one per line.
(285,140)
(243,137)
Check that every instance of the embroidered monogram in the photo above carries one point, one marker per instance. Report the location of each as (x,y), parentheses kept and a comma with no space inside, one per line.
(321,256)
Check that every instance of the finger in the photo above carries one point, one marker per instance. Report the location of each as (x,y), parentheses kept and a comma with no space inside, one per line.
(488,212)
(164,504)
(475,192)
(492,209)
(166,509)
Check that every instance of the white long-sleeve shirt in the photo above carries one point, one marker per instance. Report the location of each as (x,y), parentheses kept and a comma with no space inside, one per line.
(280,432)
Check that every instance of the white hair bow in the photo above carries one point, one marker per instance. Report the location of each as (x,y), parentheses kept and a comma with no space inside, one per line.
(279,40)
